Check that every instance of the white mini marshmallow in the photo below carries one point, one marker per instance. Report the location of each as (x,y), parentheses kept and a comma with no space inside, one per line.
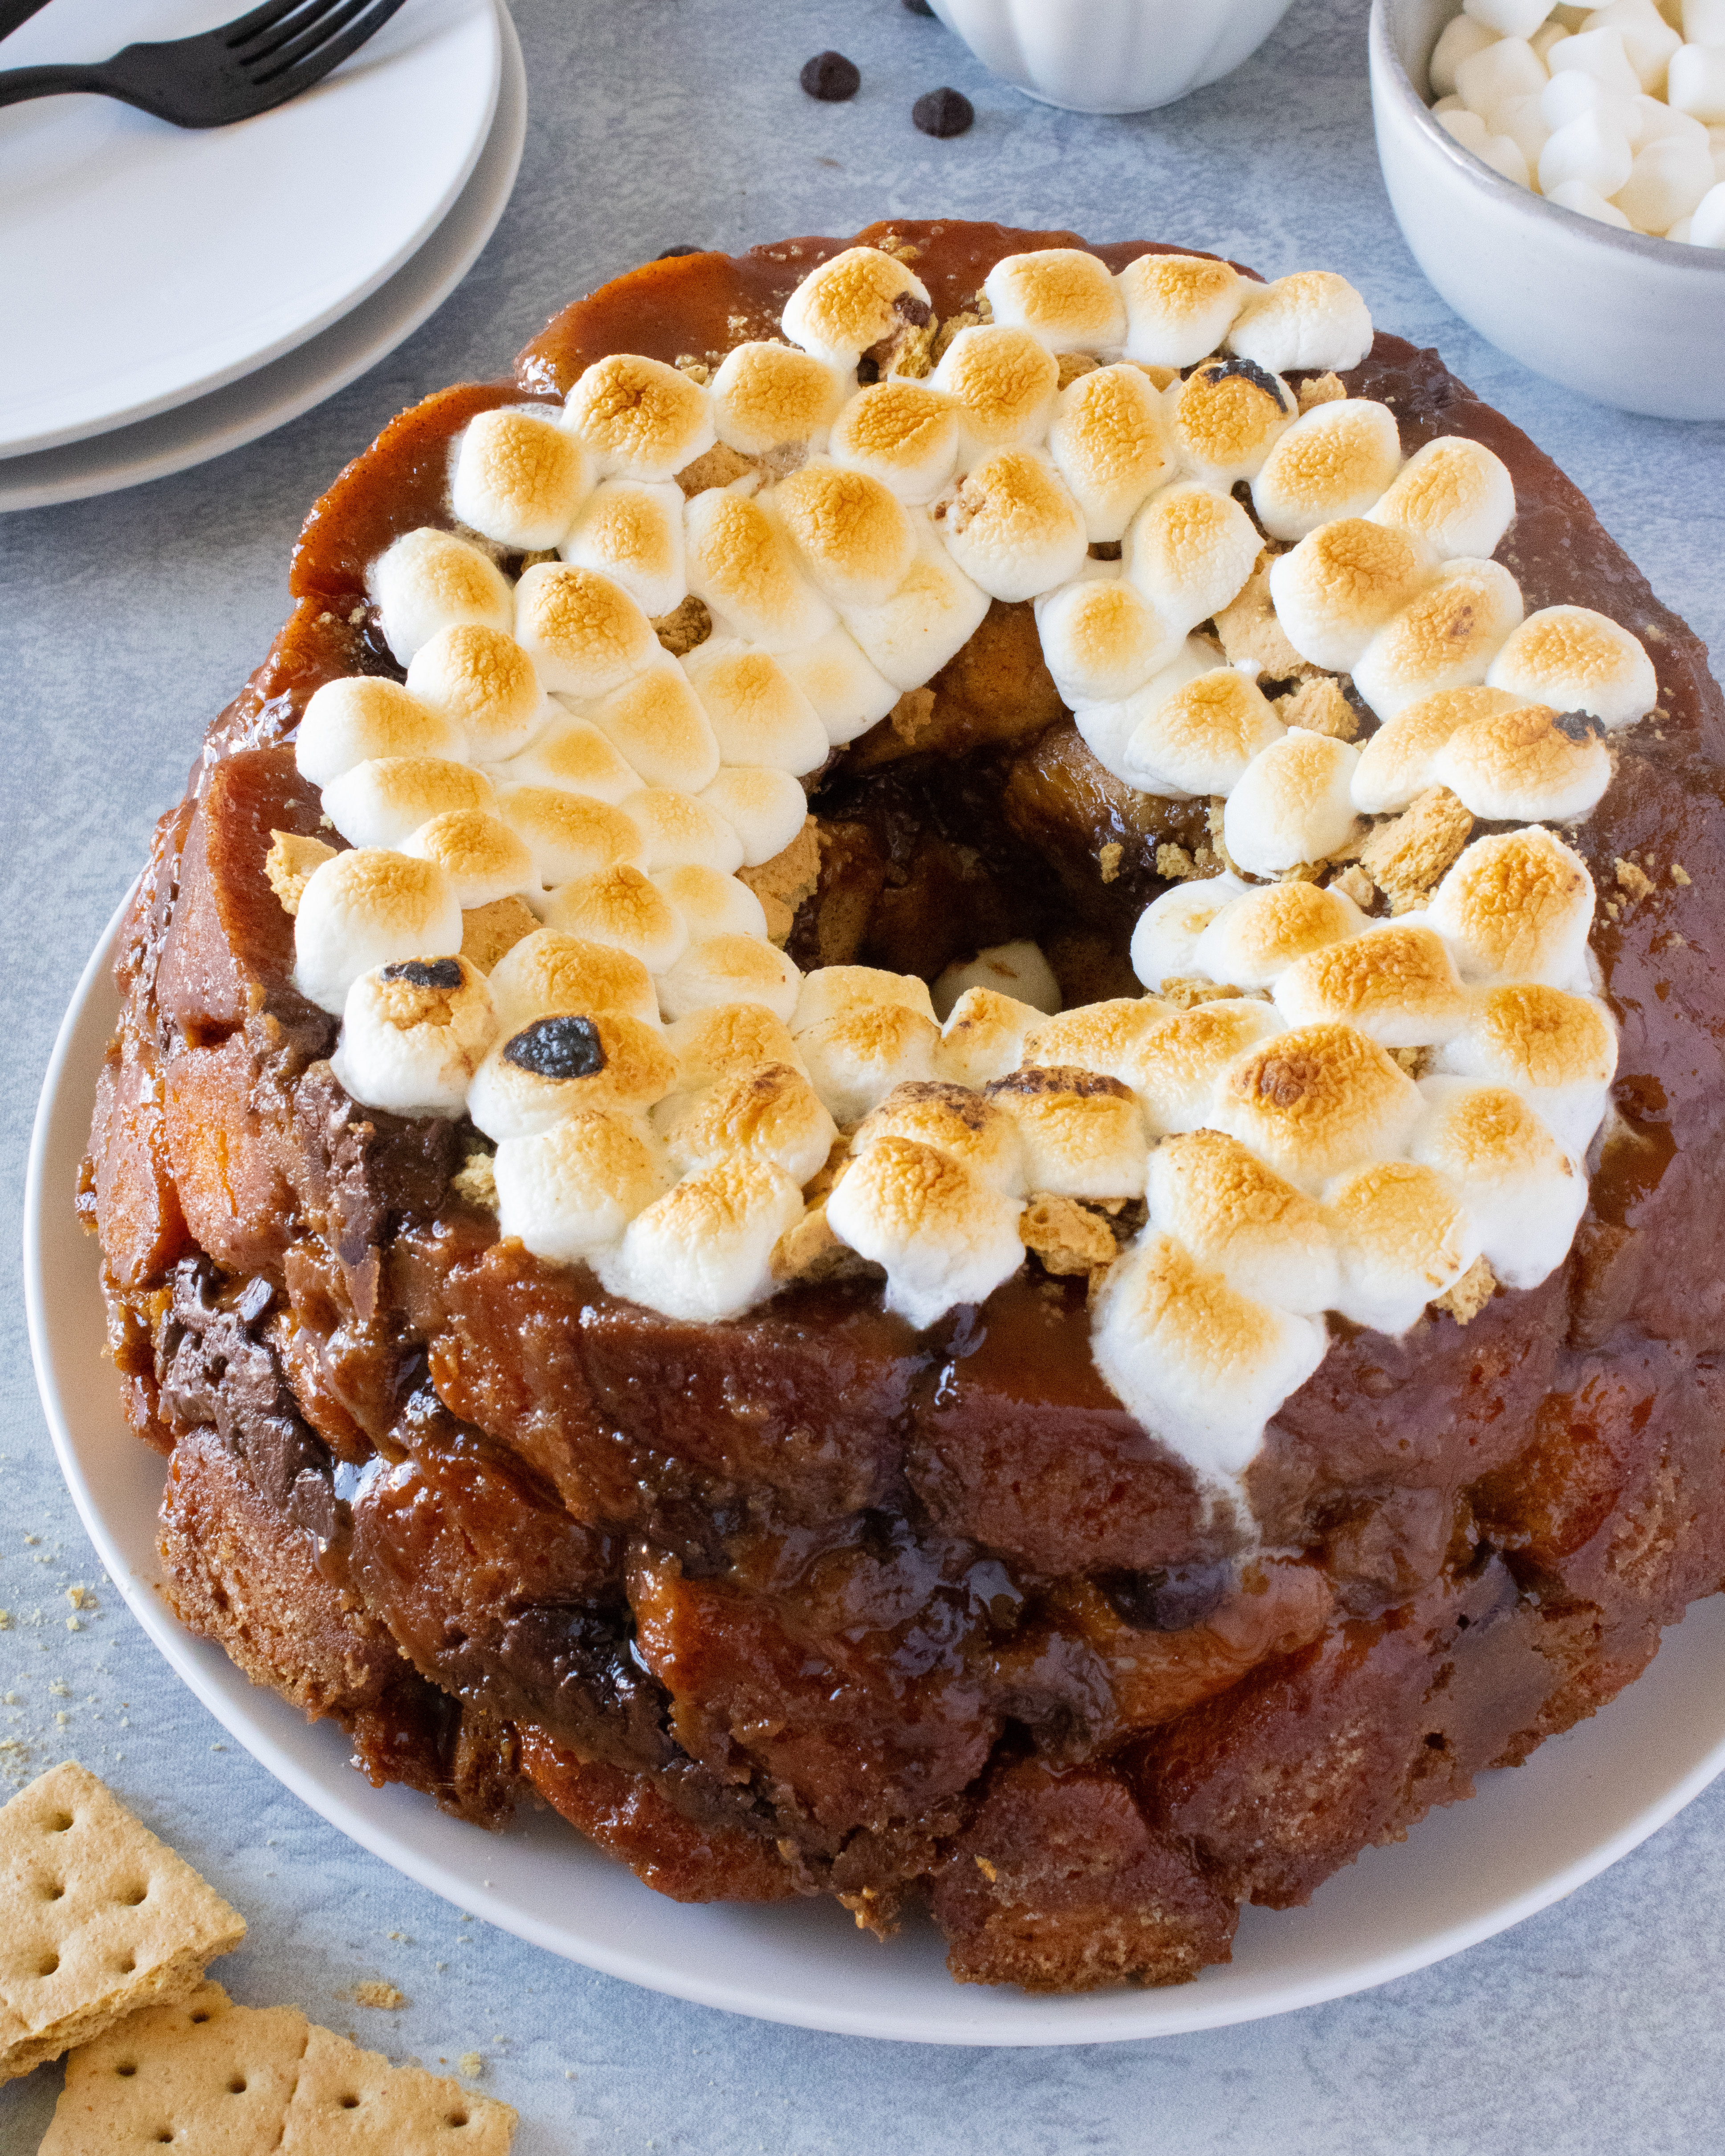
(928,619)
(1702,22)
(350,722)
(1696,83)
(426,580)
(1082,1131)
(519,477)
(1399,761)
(1396,984)
(1503,18)
(1017,970)
(1107,729)
(1102,638)
(1524,122)
(831,991)
(1168,930)
(1587,201)
(638,418)
(1226,417)
(717,970)
(1654,121)
(1706,227)
(569,1193)
(413,1034)
(1568,95)
(1669,180)
(482,857)
(1335,460)
(743,566)
(1588,149)
(903,433)
(1110,442)
(1510,68)
(570,834)
(680,830)
(380,802)
(856,1058)
(766,397)
(1446,637)
(1403,1237)
(944,1235)
(855,538)
(1316,1101)
(704,1252)
(1578,660)
(758,713)
(845,692)
(1012,527)
(765,808)
(1648,41)
(1558,1051)
(1292,803)
(1251,940)
(769,1112)
(1063,296)
(1201,1366)
(1240,1219)
(1461,36)
(1455,496)
(1523,1193)
(1517,905)
(1179,307)
(1003,383)
(1189,549)
(548,971)
(483,684)
(1525,766)
(1313,319)
(367,908)
(582,631)
(632,531)
(619,906)
(1200,738)
(854,302)
(984,1038)
(656,723)
(1600,53)
(573,756)
(711,904)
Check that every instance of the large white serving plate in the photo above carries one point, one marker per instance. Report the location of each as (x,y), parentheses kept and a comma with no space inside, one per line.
(228,418)
(1527,1840)
(146,264)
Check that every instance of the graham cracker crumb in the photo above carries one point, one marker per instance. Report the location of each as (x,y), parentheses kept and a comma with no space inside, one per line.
(291,864)
(911,359)
(965,319)
(1108,860)
(1634,880)
(1406,857)
(1073,365)
(1065,1236)
(1355,884)
(697,370)
(535,555)
(1320,706)
(1173,864)
(470,2065)
(987,1870)
(912,717)
(488,932)
(1470,1293)
(476,1182)
(1160,377)
(719,467)
(1679,874)
(383,1996)
(684,627)
(783,883)
(1321,389)
(810,1251)
(1249,629)
(1415,1061)
(1184,990)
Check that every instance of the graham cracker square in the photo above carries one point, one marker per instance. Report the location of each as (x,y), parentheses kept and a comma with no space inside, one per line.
(351,2102)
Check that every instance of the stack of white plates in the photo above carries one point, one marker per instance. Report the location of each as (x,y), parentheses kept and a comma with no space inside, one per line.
(173,295)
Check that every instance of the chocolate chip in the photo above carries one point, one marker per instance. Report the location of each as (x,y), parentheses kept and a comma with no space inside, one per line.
(253,1299)
(831,78)
(426,972)
(1169,1600)
(915,6)
(868,371)
(943,112)
(1580,725)
(558,1048)
(670,253)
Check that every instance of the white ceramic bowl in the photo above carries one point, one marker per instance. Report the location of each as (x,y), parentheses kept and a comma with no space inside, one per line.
(1112,55)
(1635,322)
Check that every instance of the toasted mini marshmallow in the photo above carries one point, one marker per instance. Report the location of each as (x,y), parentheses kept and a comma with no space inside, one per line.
(381,803)
(1525,766)
(1444,638)
(1523,1193)
(566,1061)
(482,857)
(856,1058)
(1012,526)
(718,970)
(853,302)
(678,829)
(656,723)
(724,1039)
(583,632)
(984,1038)
(1403,1237)
(1342,584)
(1107,729)
(1103,639)
(1517,907)
(767,1113)
(1201,739)
(855,537)
(1201,1366)
(1317,1101)
(1252,940)
(519,477)
(903,433)
(713,904)
(1312,320)
(570,1191)
(1003,383)
(845,692)
(768,396)
(619,906)
(1107,1037)
(413,1034)
(944,1235)
(1333,462)
(631,531)
(368,908)
(1396,984)
(483,684)
(956,1120)
(1189,549)
(1018,970)
(638,418)
(570,834)
(1399,761)
(574,756)
(1082,1131)
(704,1252)
(1063,296)
(1239,1218)
(1179,1064)
(758,715)
(1558,1051)
(427,580)
(354,722)
(1292,803)
(1177,306)
(931,617)
(1454,495)
(1110,442)
(1226,417)
(831,990)
(1577,660)
(1169,929)
(765,808)
(743,567)
(548,973)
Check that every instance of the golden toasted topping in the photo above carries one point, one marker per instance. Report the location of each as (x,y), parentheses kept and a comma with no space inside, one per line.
(903,433)
(857,1057)
(482,856)
(857,300)
(983,1036)
(656,725)
(381,803)
(743,566)
(1578,660)
(1317,1100)
(1063,296)
(1405,1240)
(727,1039)
(1235,1215)
(426,579)
(1525,766)
(568,834)
(1177,306)
(289,865)
(582,631)
(1180,1062)
(483,682)
(1004,382)
(769,1112)
(1444,639)
(548,972)
(640,417)
(1082,1131)
(766,395)
(1227,415)
(1201,739)
(1255,937)
(519,477)
(717,970)
(632,531)
(1454,495)
(1517,905)
(1110,440)
(1012,527)
(1333,462)
(350,721)
(1341,584)
(619,906)
(942,1234)
(1399,760)
(1397,983)
(1533,1035)
(959,1121)
(852,530)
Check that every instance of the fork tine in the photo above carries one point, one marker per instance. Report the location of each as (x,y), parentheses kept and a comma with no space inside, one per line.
(299,40)
(314,66)
(244,27)
(281,36)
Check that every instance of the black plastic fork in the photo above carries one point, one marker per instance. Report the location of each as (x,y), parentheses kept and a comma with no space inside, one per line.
(258,60)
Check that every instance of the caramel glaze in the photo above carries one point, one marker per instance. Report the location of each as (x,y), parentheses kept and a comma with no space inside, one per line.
(812,1603)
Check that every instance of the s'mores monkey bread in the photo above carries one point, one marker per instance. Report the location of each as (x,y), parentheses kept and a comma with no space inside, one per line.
(925,1102)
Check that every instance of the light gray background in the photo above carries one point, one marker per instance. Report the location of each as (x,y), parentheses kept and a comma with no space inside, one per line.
(127,622)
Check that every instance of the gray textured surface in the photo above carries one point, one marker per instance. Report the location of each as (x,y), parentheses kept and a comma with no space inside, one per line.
(127,621)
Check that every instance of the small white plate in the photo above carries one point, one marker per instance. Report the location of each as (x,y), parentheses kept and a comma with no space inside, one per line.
(1527,1840)
(227,418)
(146,264)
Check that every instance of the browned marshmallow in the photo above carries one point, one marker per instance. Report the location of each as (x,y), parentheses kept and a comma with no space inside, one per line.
(719,970)
(1292,803)
(427,580)
(1003,382)
(570,834)
(1577,660)
(482,857)
(768,396)
(519,476)
(903,433)
(854,536)
(567,1062)
(1517,905)
(1397,983)
(1252,940)
(619,906)
(758,714)
(656,725)
(1201,739)
(1445,638)
(944,1236)
(573,756)
(1405,1239)
(1313,318)
(1103,639)
(857,1057)
(858,300)
(632,531)
(1523,1193)
(767,1113)
(1240,1218)
(638,418)
(484,683)
(370,907)
(1179,307)
(548,971)
(583,633)
(1399,761)
(353,721)
(1189,549)
(958,1121)
(1110,440)
(713,904)
(381,803)
(1106,1037)
(1082,1133)
(983,1037)
(721,1039)
(1316,1101)
(1063,296)
(1226,417)
(1526,766)
(831,990)
(1180,1063)
(1456,495)
(679,830)
(1341,584)
(1012,527)
(765,808)
(1334,461)
(743,567)
(929,618)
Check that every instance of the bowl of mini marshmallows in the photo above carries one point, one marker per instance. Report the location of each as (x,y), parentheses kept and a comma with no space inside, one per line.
(1112,55)
(1559,174)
